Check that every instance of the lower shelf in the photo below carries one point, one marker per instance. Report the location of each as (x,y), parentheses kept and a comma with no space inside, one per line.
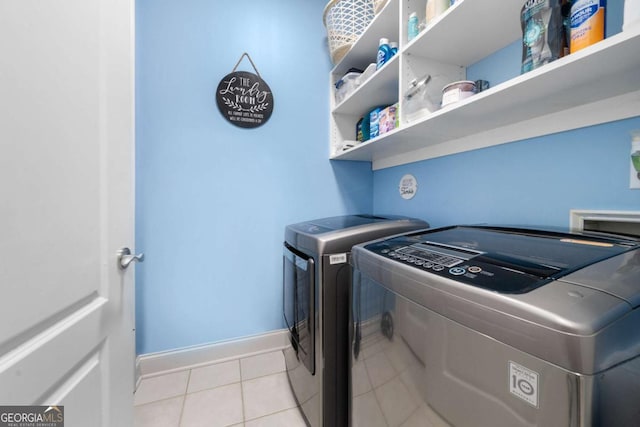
(597,85)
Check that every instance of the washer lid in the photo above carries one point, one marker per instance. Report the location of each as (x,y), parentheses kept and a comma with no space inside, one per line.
(618,276)
(506,260)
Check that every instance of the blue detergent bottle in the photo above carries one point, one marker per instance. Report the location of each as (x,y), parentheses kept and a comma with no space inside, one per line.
(384,53)
(394,48)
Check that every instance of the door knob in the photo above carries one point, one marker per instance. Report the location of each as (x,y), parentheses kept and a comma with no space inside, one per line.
(125,258)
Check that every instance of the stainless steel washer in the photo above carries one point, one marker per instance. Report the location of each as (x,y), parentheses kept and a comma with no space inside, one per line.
(317,278)
(491,326)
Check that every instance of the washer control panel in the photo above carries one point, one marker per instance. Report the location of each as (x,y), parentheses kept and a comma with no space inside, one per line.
(460,264)
(416,255)
(501,259)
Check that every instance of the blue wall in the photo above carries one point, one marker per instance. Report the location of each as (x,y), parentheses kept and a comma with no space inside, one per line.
(213,199)
(534,182)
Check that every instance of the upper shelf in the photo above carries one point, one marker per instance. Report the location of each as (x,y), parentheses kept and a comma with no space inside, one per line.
(476,36)
(364,50)
(465,15)
(597,84)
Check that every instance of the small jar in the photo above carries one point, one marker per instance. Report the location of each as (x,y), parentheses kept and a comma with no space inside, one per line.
(457,91)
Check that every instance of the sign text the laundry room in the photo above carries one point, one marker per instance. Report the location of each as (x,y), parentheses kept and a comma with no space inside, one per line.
(244,99)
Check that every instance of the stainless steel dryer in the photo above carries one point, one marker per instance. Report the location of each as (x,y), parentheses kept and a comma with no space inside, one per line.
(489,326)
(317,278)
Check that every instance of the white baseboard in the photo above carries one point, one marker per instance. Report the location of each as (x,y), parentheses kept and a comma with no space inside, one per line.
(138,375)
(152,364)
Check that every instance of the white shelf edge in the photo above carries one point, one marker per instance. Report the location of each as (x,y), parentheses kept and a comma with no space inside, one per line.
(612,109)
(468,50)
(382,154)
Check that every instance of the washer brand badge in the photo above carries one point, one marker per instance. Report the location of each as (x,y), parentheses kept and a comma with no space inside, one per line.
(523,383)
(337,259)
(31,416)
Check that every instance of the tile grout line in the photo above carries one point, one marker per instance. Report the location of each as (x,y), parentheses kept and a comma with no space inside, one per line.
(164,399)
(186,392)
(295,407)
(272,414)
(235,382)
(212,388)
(184,399)
(244,416)
(373,389)
(156,400)
(265,375)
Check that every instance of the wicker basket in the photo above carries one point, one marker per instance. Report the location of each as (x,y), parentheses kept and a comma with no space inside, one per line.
(345,20)
(378,5)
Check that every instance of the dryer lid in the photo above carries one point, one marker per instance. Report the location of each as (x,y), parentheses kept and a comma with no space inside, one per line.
(324,225)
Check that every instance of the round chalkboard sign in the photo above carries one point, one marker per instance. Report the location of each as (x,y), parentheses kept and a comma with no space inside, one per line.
(244,99)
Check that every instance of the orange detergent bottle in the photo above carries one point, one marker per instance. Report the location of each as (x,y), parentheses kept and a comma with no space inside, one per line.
(587,23)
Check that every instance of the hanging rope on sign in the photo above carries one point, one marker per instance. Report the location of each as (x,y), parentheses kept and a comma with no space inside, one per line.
(250,60)
(244,99)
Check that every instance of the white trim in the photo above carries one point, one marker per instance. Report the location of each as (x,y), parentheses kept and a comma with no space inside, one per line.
(578,217)
(153,364)
(138,375)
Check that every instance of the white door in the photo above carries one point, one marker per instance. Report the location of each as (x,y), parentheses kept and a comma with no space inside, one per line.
(66,207)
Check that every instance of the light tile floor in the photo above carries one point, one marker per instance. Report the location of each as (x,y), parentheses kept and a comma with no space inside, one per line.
(249,392)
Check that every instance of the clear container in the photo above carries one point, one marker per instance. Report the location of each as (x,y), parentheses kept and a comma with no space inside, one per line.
(347,84)
(417,101)
(368,72)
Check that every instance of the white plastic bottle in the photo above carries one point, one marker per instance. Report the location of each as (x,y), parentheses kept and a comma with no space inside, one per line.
(436,8)
(631,14)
